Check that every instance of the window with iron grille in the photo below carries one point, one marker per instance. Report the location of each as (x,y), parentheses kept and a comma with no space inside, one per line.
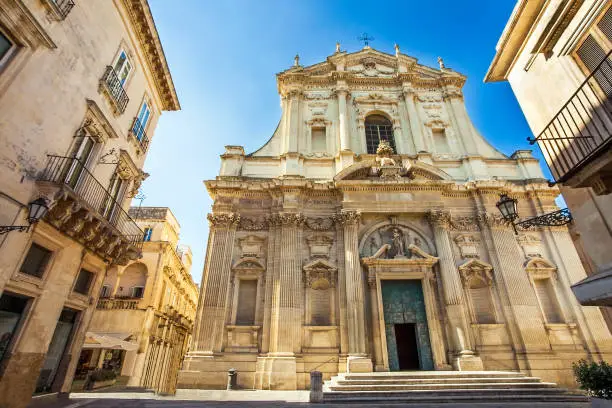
(378,128)
(83,282)
(35,261)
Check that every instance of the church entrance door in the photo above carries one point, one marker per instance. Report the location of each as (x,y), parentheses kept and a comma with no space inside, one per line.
(406,331)
(407,352)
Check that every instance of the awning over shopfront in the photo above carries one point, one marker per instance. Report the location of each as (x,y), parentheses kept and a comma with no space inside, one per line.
(109,341)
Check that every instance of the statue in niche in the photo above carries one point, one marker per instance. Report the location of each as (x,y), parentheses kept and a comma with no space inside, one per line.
(398,244)
(398,249)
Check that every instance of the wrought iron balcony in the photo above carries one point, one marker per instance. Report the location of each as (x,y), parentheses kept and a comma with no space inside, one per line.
(582,129)
(60,8)
(83,209)
(112,86)
(139,133)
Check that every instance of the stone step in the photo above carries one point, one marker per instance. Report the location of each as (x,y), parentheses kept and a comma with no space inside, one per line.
(431,374)
(450,386)
(448,380)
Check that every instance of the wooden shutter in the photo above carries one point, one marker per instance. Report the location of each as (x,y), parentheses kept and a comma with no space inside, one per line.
(547,299)
(319,307)
(605,24)
(247,295)
(483,304)
(590,53)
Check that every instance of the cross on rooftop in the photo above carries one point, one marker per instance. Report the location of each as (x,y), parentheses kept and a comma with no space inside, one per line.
(366,39)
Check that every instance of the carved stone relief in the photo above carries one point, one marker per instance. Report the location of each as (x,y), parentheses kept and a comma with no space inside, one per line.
(468,245)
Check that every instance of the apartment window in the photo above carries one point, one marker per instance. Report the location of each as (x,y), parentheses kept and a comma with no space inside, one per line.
(83,282)
(548,302)
(5,46)
(137,292)
(12,308)
(82,152)
(319,142)
(247,294)
(440,140)
(122,67)
(36,261)
(106,291)
(114,196)
(593,50)
(147,234)
(142,120)
(377,128)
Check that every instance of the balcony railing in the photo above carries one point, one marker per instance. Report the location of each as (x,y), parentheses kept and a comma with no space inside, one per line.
(113,86)
(582,129)
(71,173)
(117,304)
(139,132)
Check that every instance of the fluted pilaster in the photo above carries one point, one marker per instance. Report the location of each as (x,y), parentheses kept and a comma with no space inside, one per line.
(216,280)
(343,119)
(415,123)
(451,282)
(287,288)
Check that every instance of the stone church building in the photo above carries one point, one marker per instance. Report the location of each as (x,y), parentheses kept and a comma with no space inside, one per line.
(363,236)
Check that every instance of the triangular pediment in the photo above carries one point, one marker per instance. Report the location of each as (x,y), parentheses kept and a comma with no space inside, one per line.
(320,264)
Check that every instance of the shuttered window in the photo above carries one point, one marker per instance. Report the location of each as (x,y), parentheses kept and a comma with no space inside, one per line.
(320,307)
(605,24)
(591,53)
(483,304)
(247,294)
(546,295)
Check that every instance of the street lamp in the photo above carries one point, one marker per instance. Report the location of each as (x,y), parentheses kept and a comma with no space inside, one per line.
(508,208)
(36,210)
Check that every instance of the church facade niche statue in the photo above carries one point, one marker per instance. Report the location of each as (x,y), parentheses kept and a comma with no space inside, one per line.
(393,242)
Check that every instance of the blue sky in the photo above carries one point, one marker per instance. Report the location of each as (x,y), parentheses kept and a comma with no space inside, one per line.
(224,56)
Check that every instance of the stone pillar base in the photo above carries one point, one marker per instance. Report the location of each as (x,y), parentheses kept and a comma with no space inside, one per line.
(345,158)
(276,372)
(359,364)
(467,362)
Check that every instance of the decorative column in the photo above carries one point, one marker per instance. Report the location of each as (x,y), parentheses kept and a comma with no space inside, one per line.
(342,93)
(358,359)
(509,271)
(280,367)
(376,338)
(413,118)
(454,99)
(464,359)
(208,335)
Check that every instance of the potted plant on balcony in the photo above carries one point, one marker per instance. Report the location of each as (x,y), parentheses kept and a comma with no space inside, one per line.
(596,380)
(101,377)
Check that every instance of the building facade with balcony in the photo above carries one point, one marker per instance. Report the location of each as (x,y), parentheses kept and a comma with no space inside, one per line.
(363,236)
(143,320)
(556,55)
(82,86)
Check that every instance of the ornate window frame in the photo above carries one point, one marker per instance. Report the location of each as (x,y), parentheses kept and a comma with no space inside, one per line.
(539,268)
(318,122)
(320,274)
(479,271)
(247,268)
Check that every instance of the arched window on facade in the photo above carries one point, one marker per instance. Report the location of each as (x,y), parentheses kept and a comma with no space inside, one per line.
(377,128)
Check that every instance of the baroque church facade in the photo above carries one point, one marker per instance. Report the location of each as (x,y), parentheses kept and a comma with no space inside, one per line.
(363,236)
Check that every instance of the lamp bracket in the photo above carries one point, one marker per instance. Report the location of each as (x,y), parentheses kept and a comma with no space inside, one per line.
(553,219)
(5,229)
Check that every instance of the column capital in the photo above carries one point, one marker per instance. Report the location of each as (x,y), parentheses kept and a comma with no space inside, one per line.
(223,220)
(348,217)
(439,218)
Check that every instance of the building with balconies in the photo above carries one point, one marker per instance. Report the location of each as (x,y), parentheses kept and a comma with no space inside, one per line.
(143,320)
(556,55)
(82,86)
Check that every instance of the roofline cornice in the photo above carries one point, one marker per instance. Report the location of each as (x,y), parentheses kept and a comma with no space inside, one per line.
(146,32)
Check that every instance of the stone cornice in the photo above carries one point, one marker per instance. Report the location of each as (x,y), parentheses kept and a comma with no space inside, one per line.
(144,26)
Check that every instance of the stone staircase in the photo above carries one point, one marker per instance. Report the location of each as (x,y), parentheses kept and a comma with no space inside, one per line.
(429,387)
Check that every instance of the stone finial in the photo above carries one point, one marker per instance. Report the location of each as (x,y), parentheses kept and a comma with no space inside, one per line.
(296,60)
(337,47)
(384,149)
(397,50)
(441,62)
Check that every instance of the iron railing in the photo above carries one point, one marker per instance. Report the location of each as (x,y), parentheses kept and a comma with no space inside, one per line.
(139,132)
(582,129)
(72,173)
(113,85)
(61,7)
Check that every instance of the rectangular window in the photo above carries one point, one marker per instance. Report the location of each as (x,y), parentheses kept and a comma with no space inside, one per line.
(140,124)
(483,305)
(320,307)
(82,153)
(83,282)
(35,261)
(5,46)
(147,234)
(122,67)
(12,308)
(319,142)
(440,140)
(546,296)
(247,294)
(137,292)
(106,291)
